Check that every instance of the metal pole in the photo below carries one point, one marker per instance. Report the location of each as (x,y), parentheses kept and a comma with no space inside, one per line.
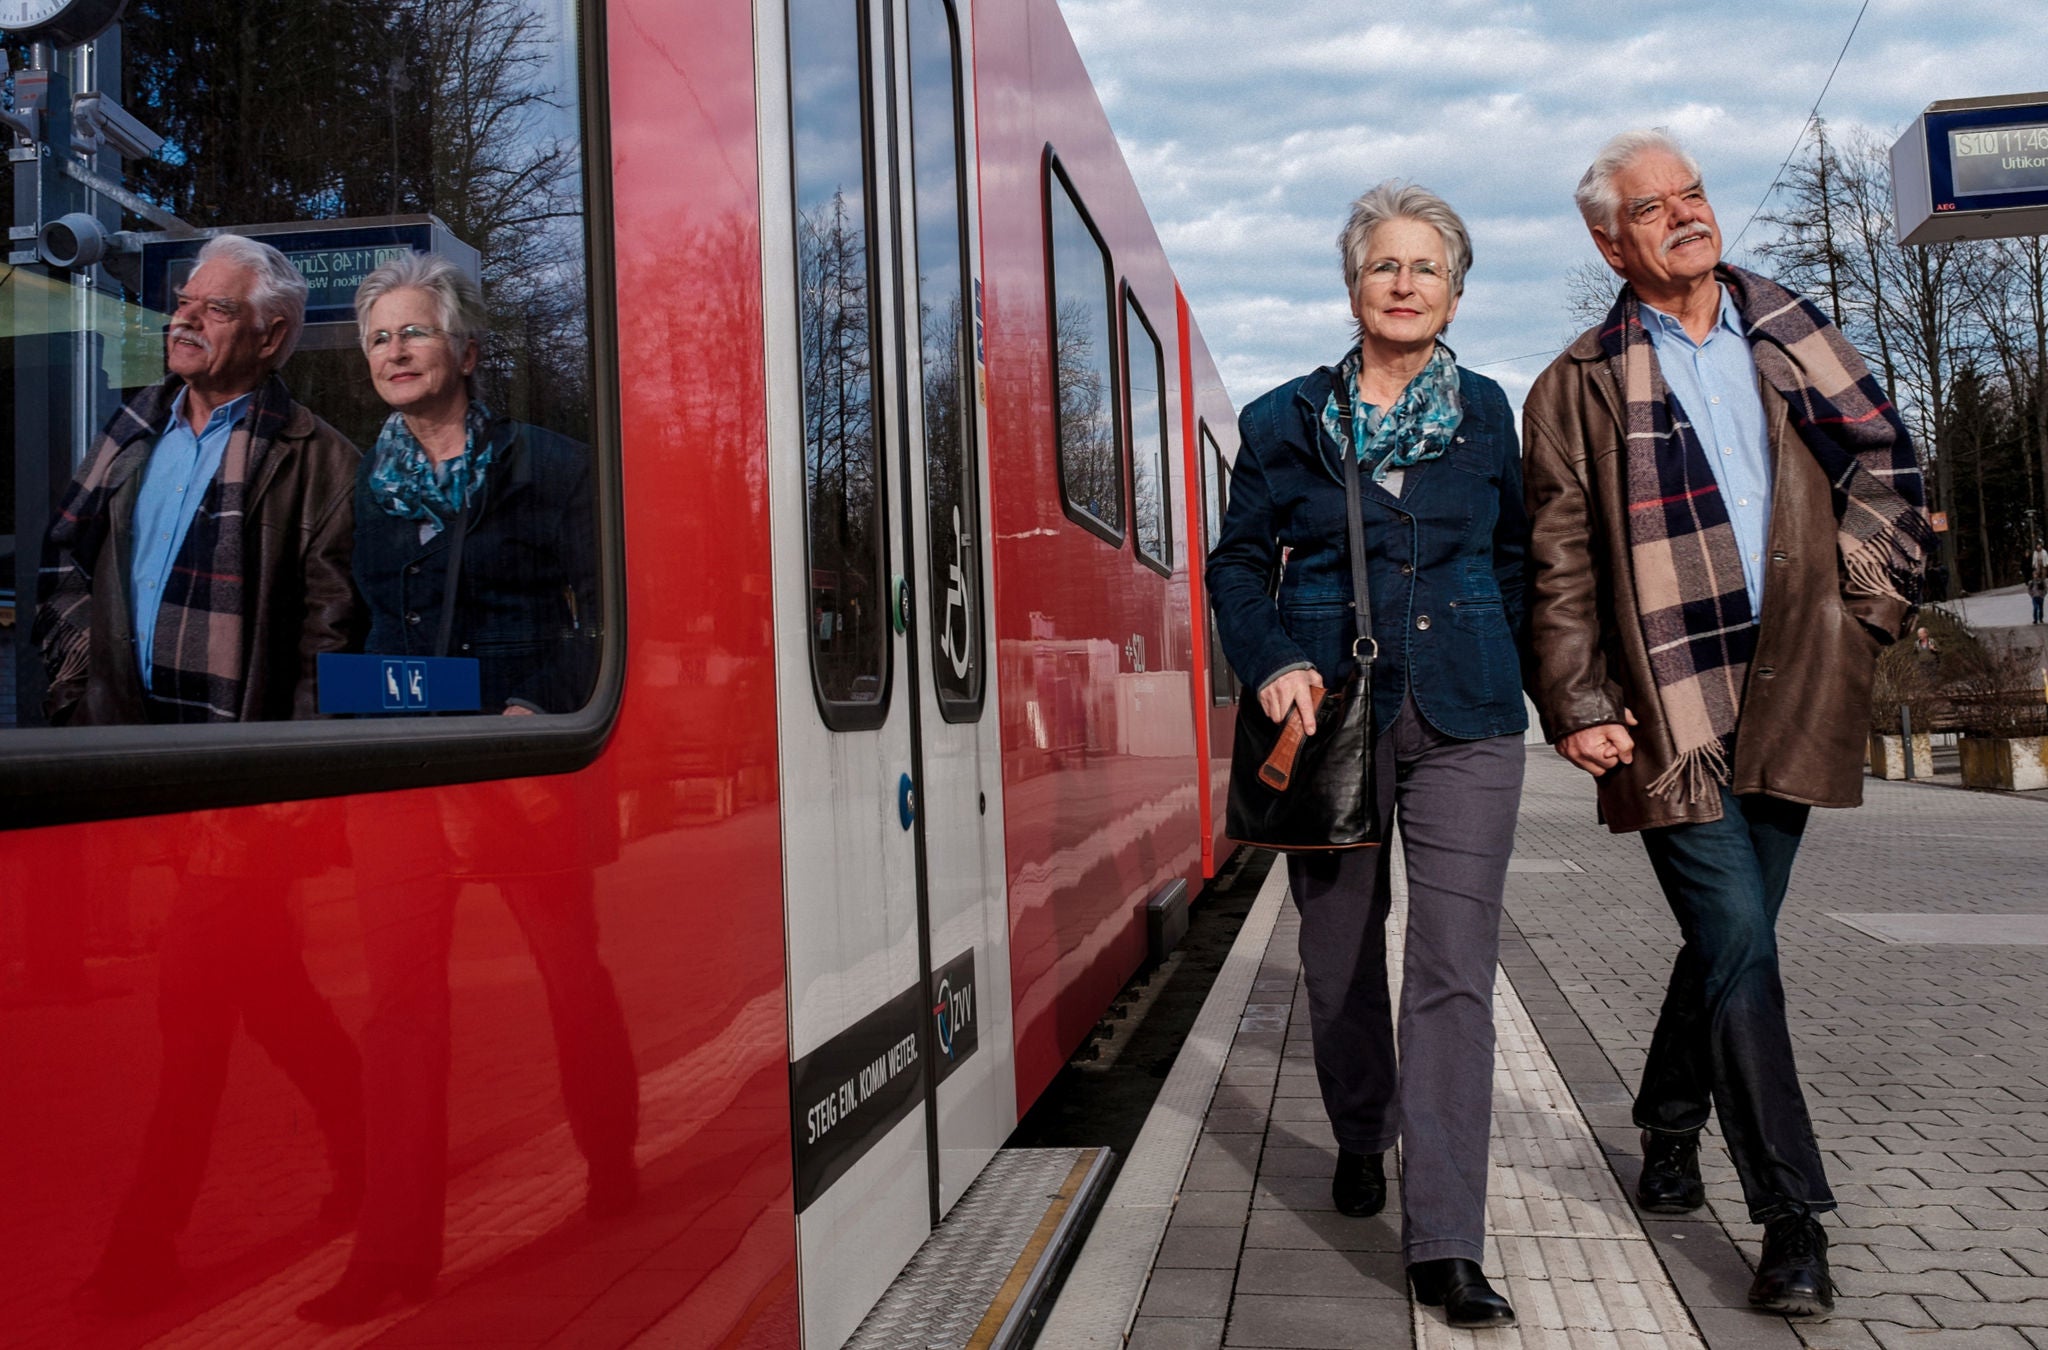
(1906,735)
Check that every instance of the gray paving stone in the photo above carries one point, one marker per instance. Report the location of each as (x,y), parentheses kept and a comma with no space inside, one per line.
(1959,1313)
(1835,1334)
(1176,1333)
(1353,1274)
(1235,1122)
(1743,1329)
(1188,1293)
(1324,1232)
(1912,1338)
(1227,1174)
(1314,1322)
(1297,1162)
(1312,1195)
(1188,1247)
(1212,1209)
(2009,1289)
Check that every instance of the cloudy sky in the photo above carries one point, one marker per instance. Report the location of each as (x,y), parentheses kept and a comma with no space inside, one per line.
(1250,125)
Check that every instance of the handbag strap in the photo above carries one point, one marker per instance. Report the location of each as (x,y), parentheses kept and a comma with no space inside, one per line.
(458,531)
(1365,649)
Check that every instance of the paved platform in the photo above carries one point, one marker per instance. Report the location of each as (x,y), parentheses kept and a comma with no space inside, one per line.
(1919,998)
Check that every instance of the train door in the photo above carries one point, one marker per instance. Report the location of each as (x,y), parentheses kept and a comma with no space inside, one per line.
(901,1075)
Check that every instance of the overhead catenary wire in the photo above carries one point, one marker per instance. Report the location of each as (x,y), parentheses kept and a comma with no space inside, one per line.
(1776,178)
(1800,139)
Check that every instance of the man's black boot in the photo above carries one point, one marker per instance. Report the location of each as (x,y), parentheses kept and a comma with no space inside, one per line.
(1792,1278)
(1459,1287)
(1360,1187)
(1671,1183)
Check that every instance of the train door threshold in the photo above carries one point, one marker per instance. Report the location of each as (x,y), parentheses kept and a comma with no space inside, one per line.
(974,1283)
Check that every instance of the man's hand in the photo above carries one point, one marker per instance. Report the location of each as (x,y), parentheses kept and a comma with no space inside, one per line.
(1292,690)
(1598,749)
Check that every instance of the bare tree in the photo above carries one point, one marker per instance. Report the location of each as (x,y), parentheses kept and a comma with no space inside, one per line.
(1094,478)
(1590,287)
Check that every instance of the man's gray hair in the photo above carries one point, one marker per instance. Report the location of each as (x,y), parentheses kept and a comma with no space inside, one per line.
(457,298)
(1396,200)
(1599,200)
(279,291)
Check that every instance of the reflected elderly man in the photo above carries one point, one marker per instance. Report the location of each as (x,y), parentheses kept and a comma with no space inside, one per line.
(199,563)
(1728,520)
(196,569)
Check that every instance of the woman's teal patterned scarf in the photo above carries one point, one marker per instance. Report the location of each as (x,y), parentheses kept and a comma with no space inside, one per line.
(1418,427)
(402,476)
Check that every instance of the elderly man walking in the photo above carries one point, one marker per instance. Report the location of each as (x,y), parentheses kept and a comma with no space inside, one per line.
(1728,522)
(197,568)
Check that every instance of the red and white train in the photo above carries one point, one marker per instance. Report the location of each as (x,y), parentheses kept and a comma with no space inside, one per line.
(910,450)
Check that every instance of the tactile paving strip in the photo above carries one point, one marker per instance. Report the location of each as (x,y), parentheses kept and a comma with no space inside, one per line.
(1562,1240)
(948,1297)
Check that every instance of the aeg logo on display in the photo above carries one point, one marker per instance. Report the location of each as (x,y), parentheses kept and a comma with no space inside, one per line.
(953,1012)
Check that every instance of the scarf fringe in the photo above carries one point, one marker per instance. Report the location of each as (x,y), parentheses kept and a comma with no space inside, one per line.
(1694,774)
(1881,560)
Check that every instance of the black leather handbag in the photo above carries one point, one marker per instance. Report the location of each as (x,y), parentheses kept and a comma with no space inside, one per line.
(1314,794)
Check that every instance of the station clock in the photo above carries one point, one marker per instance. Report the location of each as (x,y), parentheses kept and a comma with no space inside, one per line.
(63,22)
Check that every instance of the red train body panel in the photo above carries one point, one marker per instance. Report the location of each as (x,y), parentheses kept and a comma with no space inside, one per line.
(1112,745)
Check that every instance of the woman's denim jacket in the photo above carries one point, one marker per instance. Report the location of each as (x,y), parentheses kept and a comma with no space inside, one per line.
(1444,562)
(527,603)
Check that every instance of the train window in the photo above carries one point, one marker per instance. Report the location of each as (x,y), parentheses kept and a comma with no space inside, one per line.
(303,381)
(1145,414)
(946,332)
(1083,340)
(843,483)
(1216,500)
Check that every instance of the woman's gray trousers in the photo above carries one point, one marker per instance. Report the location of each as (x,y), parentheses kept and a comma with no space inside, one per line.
(1456,803)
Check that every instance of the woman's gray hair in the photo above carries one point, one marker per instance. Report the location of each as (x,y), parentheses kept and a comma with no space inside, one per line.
(457,298)
(1599,200)
(279,291)
(1396,200)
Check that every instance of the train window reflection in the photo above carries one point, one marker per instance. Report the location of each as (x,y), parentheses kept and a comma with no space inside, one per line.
(1083,341)
(219,475)
(945,326)
(843,486)
(1215,500)
(1145,414)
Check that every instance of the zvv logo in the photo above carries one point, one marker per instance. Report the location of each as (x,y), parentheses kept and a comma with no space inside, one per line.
(953,1013)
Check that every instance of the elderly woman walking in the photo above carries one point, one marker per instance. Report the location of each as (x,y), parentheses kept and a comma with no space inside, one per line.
(1445,533)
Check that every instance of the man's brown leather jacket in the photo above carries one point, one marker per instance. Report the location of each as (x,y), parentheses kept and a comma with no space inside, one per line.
(1806,713)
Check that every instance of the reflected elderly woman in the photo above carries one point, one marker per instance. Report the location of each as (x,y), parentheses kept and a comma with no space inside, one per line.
(474,533)
(1445,534)
(473,539)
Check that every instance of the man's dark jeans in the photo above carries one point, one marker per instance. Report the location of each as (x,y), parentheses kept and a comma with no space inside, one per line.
(1721,1040)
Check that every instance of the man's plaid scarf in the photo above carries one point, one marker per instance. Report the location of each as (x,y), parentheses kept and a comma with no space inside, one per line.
(1691,600)
(198,662)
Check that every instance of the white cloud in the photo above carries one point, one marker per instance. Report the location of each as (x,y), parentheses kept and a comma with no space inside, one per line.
(1249,127)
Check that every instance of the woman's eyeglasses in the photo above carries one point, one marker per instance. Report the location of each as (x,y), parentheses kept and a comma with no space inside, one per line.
(406,337)
(1422,273)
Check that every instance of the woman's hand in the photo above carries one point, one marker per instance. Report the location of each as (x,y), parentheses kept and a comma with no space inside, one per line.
(1292,690)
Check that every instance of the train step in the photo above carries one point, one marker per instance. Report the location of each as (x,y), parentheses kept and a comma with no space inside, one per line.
(975,1282)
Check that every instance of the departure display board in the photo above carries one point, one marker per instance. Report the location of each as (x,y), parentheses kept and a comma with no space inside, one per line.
(1993,160)
(1973,168)
(332,255)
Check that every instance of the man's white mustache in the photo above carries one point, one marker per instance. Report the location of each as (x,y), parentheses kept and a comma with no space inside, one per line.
(193,336)
(1683,237)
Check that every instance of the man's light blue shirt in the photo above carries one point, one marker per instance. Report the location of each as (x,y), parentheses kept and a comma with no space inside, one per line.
(1715,385)
(174,482)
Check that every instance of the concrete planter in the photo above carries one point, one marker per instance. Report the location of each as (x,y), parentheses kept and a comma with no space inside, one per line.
(2010,763)
(1888,756)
